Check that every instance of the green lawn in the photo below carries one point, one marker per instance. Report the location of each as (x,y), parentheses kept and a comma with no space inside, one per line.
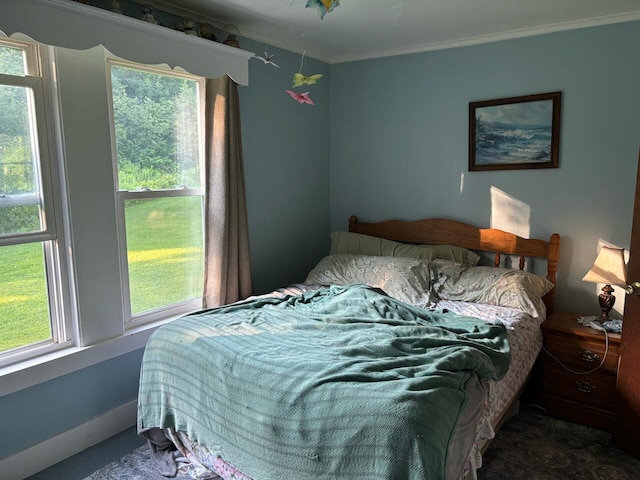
(165,266)
(24,316)
(165,251)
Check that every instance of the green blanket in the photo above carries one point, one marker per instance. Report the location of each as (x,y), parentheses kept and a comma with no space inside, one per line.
(343,382)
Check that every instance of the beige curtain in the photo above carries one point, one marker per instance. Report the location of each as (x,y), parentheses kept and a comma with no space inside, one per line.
(227,266)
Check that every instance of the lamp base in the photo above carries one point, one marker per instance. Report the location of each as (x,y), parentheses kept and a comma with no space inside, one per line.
(606,301)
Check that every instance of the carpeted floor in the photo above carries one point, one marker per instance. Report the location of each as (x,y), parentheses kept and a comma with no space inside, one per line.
(534,446)
(530,446)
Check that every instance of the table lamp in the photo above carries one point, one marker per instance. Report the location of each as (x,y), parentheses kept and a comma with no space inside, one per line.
(609,268)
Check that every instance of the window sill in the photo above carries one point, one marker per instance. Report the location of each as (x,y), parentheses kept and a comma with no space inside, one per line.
(31,372)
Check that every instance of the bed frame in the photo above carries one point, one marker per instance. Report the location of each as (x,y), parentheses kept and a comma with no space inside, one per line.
(443,231)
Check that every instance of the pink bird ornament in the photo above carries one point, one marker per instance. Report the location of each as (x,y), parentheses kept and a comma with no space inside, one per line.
(301,97)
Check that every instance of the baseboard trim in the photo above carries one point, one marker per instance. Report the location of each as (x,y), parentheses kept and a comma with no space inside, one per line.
(62,446)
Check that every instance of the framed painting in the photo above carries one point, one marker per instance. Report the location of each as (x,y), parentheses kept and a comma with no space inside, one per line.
(515,133)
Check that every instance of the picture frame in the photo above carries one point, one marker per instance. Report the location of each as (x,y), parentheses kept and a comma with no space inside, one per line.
(515,132)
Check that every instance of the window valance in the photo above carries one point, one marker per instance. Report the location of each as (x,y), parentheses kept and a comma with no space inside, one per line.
(64,23)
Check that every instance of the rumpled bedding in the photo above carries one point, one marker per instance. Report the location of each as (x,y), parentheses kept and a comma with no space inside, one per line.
(525,340)
(411,369)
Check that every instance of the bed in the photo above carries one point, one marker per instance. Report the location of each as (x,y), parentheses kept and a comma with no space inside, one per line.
(397,358)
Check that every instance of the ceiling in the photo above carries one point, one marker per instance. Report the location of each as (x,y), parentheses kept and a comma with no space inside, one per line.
(362,29)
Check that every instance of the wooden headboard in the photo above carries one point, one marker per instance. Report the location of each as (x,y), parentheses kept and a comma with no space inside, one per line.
(443,231)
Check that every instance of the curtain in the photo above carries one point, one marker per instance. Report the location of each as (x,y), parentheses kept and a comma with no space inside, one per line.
(227,265)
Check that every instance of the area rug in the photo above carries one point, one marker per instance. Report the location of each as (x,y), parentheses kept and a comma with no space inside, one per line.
(535,446)
(132,466)
(530,446)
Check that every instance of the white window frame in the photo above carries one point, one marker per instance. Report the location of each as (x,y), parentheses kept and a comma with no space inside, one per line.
(130,320)
(37,78)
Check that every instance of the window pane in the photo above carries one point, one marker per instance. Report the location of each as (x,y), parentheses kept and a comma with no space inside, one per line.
(164,250)
(24,310)
(156,126)
(12,61)
(21,219)
(20,196)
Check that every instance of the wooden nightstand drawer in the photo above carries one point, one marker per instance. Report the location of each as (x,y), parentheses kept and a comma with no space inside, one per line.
(583,355)
(577,412)
(569,347)
(594,389)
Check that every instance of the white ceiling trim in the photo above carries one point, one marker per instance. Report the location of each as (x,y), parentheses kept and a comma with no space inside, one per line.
(270,22)
(463,42)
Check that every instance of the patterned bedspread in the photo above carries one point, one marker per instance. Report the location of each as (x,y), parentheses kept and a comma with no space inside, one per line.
(342,382)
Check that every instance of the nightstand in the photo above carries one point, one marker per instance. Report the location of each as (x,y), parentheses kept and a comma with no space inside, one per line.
(588,399)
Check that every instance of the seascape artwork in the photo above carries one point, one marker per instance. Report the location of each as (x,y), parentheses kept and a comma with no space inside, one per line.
(515,133)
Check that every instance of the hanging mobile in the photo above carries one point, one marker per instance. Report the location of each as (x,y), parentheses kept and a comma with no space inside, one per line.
(301,97)
(267,59)
(323,6)
(300,79)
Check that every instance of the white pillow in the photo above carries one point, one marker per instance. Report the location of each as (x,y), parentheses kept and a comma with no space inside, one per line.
(406,279)
(504,287)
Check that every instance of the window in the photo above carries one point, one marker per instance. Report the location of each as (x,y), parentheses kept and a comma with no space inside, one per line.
(30,286)
(101,200)
(159,189)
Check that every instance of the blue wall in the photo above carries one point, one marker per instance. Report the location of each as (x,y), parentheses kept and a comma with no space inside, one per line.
(399,141)
(286,157)
(43,411)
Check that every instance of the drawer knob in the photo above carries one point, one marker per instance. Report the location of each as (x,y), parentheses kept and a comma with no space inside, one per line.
(585,387)
(588,356)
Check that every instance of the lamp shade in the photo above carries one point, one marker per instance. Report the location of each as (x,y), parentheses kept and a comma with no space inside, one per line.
(608,268)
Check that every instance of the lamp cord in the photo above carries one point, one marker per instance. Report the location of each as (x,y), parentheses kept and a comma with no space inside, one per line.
(604,357)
